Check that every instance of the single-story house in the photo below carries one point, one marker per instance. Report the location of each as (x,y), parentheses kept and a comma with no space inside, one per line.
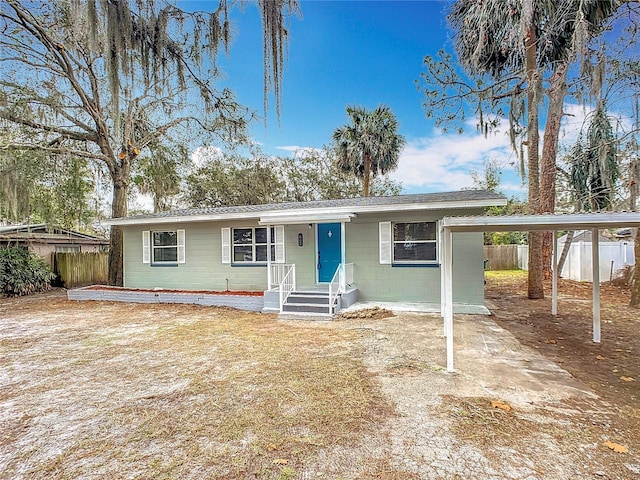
(382,249)
(45,240)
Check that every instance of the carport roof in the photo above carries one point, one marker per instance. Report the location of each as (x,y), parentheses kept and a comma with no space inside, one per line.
(572,221)
(545,222)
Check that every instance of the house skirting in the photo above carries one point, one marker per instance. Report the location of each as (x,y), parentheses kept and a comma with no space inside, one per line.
(243,302)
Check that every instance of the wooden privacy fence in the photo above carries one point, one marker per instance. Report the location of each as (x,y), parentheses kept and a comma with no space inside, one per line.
(80,269)
(501,257)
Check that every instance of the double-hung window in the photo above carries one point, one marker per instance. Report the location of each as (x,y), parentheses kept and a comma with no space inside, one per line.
(409,243)
(163,247)
(414,242)
(250,245)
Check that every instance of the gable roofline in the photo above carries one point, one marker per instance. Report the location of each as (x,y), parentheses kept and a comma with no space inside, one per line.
(46,232)
(319,208)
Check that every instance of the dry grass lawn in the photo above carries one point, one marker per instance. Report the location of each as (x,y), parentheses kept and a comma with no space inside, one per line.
(112,390)
(175,392)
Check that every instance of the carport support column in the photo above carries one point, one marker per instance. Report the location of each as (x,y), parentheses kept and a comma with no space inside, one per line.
(443,298)
(448,290)
(595,268)
(554,273)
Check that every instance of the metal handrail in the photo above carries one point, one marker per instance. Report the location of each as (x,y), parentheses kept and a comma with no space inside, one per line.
(336,287)
(348,275)
(287,285)
(278,272)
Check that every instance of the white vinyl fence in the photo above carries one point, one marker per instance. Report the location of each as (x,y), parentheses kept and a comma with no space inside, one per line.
(614,256)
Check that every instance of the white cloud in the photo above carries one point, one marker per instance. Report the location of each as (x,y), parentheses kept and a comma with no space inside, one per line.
(143,201)
(298,150)
(203,154)
(444,162)
(576,118)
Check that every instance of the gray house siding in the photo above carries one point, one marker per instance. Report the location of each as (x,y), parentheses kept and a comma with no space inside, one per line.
(379,282)
(203,269)
(303,257)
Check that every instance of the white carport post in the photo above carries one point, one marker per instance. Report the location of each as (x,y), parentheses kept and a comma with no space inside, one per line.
(555,273)
(448,295)
(269,257)
(595,267)
(443,302)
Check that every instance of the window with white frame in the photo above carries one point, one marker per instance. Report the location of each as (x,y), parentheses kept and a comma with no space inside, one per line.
(414,242)
(163,247)
(250,245)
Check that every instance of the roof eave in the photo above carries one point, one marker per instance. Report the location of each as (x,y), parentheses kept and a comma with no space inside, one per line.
(453,204)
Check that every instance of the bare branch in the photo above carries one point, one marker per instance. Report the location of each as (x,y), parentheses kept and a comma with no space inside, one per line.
(66,133)
(60,150)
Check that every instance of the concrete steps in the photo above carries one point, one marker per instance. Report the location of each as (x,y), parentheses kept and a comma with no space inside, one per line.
(310,303)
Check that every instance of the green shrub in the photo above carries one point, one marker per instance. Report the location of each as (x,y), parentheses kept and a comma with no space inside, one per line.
(22,272)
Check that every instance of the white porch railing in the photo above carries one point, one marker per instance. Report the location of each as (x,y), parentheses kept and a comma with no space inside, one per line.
(278,272)
(348,274)
(339,282)
(287,284)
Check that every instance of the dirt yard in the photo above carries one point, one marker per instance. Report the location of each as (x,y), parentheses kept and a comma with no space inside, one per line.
(108,390)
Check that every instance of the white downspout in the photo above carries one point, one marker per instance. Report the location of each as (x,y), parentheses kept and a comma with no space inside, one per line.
(443,300)
(269,257)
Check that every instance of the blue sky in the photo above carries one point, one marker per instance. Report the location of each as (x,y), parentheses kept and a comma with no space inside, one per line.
(365,53)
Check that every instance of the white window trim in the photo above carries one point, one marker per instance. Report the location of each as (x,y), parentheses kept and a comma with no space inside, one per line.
(387,244)
(278,244)
(148,248)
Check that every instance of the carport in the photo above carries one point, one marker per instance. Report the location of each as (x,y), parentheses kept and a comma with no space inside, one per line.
(525,223)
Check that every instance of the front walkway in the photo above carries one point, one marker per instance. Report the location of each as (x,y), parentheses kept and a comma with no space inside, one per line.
(420,307)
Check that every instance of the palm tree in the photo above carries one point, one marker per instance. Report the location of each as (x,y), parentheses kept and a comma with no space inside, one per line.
(525,38)
(368,145)
(594,169)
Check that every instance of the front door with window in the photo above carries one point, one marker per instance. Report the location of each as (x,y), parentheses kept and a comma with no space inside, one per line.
(329,250)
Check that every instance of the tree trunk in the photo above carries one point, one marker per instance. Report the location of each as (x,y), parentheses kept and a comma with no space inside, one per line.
(367,175)
(118,209)
(633,193)
(635,281)
(535,280)
(556,93)
(565,251)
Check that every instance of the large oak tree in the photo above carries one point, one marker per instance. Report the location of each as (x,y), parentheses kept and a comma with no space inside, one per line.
(105,79)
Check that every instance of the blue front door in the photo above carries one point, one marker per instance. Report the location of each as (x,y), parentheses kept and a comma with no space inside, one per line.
(329,250)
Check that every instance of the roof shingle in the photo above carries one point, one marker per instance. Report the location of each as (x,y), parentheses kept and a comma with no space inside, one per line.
(419,198)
